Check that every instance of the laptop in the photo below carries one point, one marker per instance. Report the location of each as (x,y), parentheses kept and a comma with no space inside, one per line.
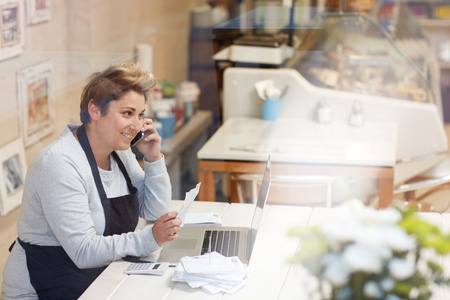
(229,241)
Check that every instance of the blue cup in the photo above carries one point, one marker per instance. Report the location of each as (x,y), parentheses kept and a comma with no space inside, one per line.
(168,125)
(159,126)
(271,109)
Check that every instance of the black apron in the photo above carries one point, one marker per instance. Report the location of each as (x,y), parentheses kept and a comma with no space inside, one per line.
(52,273)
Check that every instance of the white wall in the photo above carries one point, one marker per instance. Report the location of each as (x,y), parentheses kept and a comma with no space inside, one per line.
(85,36)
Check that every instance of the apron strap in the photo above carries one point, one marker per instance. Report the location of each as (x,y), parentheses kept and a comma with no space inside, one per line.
(84,142)
(12,246)
(122,168)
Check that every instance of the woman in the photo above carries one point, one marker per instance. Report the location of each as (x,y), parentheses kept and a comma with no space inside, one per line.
(84,192)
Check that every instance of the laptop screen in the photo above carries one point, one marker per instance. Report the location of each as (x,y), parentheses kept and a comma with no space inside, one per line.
(262,197)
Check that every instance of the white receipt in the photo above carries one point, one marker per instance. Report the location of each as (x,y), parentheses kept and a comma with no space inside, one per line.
(217,264)
(190,197)
(208,218)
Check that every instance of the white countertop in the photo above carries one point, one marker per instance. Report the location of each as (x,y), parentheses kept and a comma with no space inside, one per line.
(303,141)
(272,276)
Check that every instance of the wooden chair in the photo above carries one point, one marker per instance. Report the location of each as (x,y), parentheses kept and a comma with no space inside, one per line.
(286,190)
(434,180)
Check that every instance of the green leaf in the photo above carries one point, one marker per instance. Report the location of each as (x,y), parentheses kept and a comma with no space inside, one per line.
(424,294)
(435,268)
(402,288)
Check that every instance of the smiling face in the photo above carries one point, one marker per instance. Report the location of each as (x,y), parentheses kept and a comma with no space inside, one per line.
(122,121)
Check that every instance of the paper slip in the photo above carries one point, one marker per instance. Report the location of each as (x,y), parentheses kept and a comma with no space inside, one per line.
(218,264)
(212,272)
(223,287)
(190,197)
(199,219)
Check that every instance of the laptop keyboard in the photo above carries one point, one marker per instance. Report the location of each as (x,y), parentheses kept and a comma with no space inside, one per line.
(225,242)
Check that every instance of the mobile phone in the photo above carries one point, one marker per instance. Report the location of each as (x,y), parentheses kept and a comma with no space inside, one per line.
(135,259)
(137,138)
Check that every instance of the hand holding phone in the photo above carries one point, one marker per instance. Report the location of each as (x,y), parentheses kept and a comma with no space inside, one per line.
(137,138)
(151,146)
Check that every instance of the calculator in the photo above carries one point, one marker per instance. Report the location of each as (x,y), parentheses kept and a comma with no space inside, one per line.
(148,268)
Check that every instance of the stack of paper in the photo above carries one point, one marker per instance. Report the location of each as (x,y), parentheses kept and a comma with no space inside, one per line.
(212,272)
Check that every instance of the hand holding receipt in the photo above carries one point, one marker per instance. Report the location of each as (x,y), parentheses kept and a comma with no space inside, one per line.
(190,197)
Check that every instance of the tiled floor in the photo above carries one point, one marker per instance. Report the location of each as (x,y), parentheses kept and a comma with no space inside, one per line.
(9,232)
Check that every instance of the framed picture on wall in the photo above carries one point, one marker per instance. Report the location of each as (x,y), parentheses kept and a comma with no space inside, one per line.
(11,28)
(12,175)
(36,102)
(38,11)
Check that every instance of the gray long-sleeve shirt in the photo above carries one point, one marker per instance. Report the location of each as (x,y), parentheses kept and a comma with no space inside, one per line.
(61,206)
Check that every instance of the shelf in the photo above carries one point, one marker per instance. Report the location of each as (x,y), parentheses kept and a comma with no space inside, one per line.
(189,132)
(434,22)
(198,124)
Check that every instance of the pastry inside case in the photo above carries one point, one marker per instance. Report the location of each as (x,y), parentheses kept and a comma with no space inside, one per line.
(352,52)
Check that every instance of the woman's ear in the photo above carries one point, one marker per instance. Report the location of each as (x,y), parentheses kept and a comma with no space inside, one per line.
(94,111)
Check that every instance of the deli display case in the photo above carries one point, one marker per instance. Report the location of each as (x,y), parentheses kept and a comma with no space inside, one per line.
(382,54)
(376,61)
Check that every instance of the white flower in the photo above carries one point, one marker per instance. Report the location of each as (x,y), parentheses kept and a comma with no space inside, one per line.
(422,264)
(414,293)
(387,284)
(361,241)
(374,237)
(372,290)
(398,240)
(370,236)
(373,217)
(392,297)
(337,272)
(400,269)
(362,258)
(336,232)
(388,216)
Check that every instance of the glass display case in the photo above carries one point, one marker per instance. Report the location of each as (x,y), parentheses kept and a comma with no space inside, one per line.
(382,53)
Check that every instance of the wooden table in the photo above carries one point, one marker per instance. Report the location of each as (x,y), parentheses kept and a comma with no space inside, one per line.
(301,147)
(272,276)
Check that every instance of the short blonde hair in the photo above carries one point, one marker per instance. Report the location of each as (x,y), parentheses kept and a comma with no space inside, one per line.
(111,84)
